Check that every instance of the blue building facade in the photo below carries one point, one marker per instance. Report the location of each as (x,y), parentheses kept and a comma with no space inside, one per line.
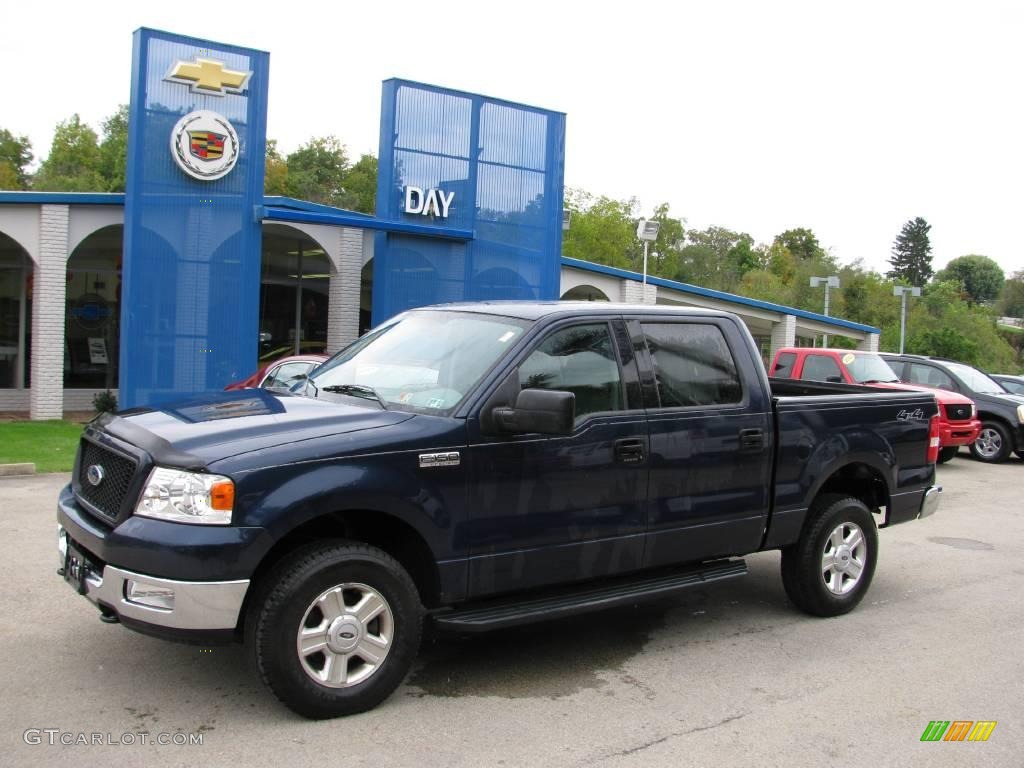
(464,163)
(191,269)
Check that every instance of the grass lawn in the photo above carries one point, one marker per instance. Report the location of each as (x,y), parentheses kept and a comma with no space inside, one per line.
(50,445)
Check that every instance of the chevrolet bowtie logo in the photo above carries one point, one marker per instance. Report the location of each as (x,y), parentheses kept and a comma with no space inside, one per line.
(208,76)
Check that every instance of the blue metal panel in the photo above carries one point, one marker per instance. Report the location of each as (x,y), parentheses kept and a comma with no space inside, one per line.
(504,164)
(191,269)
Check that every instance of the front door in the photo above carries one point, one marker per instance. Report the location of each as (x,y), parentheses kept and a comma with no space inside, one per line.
(556,509)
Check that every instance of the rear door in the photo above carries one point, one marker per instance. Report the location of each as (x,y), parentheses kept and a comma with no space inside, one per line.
(556,509)
(711,440)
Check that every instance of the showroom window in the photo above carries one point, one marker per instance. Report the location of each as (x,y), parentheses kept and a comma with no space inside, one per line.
(92,327)
(15,314)
(294,284)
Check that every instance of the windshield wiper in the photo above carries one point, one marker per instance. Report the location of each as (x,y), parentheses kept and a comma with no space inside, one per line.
(359,390)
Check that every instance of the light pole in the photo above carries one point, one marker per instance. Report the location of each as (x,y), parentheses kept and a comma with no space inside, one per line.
(832,281)
(903,291)
(648,232)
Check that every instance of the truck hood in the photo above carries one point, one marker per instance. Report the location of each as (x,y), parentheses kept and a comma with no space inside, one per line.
(195,433)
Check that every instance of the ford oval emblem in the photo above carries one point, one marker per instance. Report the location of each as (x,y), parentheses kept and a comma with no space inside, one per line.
(95,474)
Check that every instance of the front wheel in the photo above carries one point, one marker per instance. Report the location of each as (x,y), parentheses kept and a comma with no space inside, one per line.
(334,629)
(993,443)
(828,571)
(948,454)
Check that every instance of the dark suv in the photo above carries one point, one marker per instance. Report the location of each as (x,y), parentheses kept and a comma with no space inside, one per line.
(1001,413)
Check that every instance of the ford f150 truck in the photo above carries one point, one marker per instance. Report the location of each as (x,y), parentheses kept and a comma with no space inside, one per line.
(482,466)
(958,415)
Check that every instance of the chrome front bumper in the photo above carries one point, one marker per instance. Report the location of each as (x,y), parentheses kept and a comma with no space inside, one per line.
(930,502)
(186,605)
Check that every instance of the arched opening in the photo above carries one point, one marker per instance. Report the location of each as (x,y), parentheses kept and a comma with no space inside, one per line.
(92,325)
(584,293)
(294,292)
(15,314)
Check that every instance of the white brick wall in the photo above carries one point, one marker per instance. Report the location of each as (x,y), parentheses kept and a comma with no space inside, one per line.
(343,296)
(49,287)
(783,335)
(633,292)
(869,344)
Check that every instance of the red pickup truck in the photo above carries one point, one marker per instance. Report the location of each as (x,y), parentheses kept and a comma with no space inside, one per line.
(958,415)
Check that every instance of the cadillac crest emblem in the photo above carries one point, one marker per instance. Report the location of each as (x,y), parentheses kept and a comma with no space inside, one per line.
(204,145)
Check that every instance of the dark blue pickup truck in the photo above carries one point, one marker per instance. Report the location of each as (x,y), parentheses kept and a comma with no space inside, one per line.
(481,466)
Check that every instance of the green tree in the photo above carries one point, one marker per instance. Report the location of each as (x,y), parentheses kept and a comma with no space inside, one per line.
(316,171)
(1011,299)
(979,276)
(803,244)
(911,258)
(275,171)
(73,164)
(15,157)
(360,184)
(113,163)
(717,257)
(602,230)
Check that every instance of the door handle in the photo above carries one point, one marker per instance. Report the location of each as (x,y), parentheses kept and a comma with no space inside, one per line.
(630,450)
(751,439)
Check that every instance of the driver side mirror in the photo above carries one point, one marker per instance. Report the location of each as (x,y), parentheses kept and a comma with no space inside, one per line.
(547,411)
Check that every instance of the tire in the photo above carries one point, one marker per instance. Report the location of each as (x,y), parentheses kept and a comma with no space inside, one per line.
(831,591)
(948,454)
(352,662)
(993,444)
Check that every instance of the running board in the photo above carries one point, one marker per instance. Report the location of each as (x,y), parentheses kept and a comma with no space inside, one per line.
(511,613)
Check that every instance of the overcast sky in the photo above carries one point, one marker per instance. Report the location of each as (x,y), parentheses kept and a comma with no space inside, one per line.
(845,118)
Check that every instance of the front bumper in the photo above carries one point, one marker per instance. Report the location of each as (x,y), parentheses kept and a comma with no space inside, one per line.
(958,433)
(174,605)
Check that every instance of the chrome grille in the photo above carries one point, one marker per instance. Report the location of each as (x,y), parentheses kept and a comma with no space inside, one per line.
(117,473)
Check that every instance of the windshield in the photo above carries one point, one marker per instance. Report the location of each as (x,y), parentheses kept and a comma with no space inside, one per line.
(869,368)
(422,361)
(975,380)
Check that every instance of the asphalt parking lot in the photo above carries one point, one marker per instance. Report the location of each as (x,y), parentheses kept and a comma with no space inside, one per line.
(730,674)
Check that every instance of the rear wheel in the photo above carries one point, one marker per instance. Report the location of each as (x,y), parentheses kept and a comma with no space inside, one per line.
(948,454)
(334,629)
(993,443)
(828,571)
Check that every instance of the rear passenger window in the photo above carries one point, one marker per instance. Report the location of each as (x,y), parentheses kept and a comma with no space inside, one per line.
(579,359)
(784,365)
(692,364)
(821,368)
(930,377)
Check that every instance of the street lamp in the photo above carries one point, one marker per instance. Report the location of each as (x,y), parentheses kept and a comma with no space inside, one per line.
(903,291)
(648,232)
(831,281)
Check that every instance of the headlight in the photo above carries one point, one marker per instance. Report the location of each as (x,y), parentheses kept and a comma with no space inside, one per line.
(187,497)
(1020,413)
(974,410)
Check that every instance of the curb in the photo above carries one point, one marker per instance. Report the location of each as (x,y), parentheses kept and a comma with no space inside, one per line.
(11,470)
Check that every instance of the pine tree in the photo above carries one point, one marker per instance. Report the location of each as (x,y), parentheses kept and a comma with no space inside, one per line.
(911,258)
